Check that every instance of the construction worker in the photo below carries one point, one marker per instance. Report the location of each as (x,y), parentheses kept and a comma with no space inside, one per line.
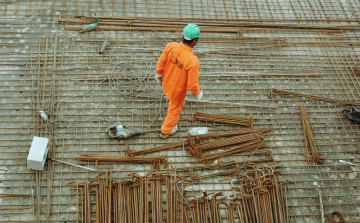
(178,70)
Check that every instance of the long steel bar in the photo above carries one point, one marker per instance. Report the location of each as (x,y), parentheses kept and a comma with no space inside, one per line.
(274,91)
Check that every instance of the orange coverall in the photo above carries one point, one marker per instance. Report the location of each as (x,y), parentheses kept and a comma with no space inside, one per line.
(180,70)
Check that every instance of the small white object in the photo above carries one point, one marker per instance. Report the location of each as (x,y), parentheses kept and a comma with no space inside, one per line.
(198,131)
(158,78)
(38,152)
(343,161)
(44,115)
(72,164)
(199,96)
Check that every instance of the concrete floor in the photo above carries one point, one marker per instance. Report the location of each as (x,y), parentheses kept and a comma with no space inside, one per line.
(43,66)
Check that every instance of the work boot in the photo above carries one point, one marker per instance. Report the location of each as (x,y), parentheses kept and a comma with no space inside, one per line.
(173,131)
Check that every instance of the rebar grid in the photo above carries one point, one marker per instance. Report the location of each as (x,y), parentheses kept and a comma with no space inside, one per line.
(40,59)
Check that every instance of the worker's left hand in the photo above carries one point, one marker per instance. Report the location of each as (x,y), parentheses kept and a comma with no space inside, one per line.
(199,96)
(159,78)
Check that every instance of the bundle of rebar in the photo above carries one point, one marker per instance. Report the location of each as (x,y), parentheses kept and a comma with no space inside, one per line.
(309,137)
(197,149)
(116,158)
(206,25)
(152,198)
(229,141)
(135,200)
(262,198)
(203,209)
(196,137)
(247,142)
(224,119)
(253,145)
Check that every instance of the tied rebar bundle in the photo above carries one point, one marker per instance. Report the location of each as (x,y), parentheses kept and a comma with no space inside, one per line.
(224,119)
(247,142)
(309,137)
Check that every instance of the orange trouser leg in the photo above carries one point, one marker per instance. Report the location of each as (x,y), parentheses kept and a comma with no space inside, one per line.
(172,118)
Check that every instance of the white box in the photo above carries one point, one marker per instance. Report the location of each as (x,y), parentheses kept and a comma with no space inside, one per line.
(38,153)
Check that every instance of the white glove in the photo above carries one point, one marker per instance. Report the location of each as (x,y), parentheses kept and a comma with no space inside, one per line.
(199,96)
(158,78)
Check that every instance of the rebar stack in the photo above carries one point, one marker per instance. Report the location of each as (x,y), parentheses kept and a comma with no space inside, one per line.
(206,24)
(198,138)
(309,137)
(262,197)
(224,119)
(157,197)
(247,142)
(152,198)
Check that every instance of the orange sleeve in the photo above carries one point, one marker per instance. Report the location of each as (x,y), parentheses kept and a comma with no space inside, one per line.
(193,76)
(162,61)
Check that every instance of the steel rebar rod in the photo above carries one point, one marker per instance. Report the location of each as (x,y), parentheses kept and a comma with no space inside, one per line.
(274,92)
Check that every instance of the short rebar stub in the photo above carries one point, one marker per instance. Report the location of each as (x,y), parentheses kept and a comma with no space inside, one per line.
(357,68)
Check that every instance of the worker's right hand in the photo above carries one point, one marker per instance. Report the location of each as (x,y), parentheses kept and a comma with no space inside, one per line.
(199,96)
(159,78)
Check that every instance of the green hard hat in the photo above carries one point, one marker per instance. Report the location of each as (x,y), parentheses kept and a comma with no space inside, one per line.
(191,31)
